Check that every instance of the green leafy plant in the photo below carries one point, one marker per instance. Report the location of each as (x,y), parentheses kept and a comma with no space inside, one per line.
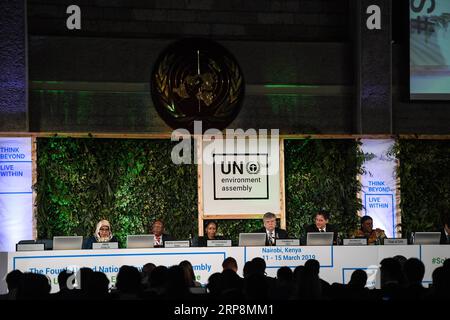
(424,174)
(129,182)
(322,175)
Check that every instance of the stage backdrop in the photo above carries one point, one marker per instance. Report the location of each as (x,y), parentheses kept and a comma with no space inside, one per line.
(16,218)
(133,182)
(379,185)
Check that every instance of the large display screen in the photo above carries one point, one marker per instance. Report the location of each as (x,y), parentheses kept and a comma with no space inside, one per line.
(430,49)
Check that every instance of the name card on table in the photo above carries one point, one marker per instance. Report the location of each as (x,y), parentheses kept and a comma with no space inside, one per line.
(287,242)
(30,247)
(105,245)
(395,242)
(218,243)
(355,242)
(177,244)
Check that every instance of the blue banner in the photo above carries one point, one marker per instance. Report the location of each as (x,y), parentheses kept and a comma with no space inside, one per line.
(379,185)
(16,205)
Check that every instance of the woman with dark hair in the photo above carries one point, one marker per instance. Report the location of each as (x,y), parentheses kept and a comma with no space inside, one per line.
(366,230)
(210,234)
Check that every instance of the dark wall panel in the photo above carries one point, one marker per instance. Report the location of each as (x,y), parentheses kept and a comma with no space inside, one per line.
(13,68)
(131,60)
(294,20)
(128,112)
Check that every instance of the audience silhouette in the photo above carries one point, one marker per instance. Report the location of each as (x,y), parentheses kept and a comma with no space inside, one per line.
(400,279)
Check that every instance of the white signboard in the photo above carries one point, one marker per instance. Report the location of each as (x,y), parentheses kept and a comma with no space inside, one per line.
(241,179)
(16,205)
(240,176)
(379,185)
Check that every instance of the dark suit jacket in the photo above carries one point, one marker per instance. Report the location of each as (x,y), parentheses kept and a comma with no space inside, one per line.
(444,239)
(279,234)
(329,228)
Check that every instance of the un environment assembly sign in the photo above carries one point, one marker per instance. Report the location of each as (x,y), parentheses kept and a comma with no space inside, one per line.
(241,179)
(240,176)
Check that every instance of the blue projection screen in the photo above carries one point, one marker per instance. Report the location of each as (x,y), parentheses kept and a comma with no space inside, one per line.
(430,49)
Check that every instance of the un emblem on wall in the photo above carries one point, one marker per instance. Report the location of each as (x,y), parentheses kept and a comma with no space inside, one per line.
(197,80)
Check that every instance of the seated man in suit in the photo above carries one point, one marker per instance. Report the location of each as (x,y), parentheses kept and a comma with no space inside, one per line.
(445,231)
(321,224)
(271,230)
(160,236)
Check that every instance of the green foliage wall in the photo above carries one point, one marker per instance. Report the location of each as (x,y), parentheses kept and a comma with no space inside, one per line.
(424,173)
(128,182)
(321,174)
(133,182)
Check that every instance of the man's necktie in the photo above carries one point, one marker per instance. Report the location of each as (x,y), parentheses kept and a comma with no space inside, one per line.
(271,240)
(321,230)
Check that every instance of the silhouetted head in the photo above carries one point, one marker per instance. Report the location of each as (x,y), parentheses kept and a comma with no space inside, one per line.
(83,275)
(441,281)
(13,279)
(298,271)
(391,271)
(158,277)
(401,259)
(148,268)
(215,283)
(249,268)
(128,280)
(358,279)
(63,276)
(98,285)
(414,271)
(230,263)
(176,284)
(259,265)
(312,267)
(446,264)
(33,287)
(285,275)
(189,276)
